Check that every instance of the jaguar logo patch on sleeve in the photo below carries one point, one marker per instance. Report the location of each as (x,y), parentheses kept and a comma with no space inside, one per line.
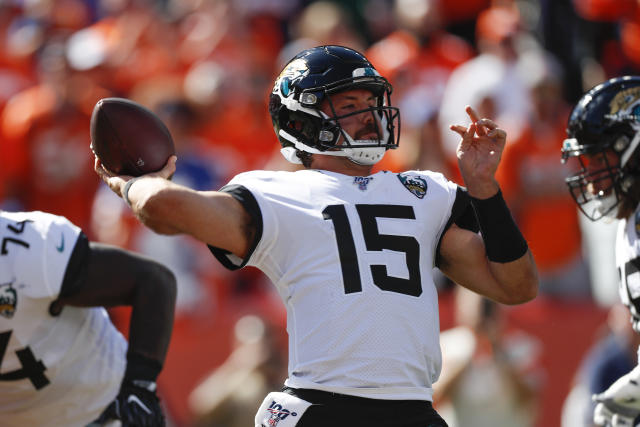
(415,184)
(8,300)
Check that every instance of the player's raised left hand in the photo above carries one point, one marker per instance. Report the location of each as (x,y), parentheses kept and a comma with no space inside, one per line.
(479,153)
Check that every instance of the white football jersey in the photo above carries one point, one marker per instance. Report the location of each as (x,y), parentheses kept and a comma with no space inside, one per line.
(352,259)
(628,263)
(54,370)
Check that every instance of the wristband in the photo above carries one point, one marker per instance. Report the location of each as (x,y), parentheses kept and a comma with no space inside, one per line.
(125,191)
(141,368)
(502,238)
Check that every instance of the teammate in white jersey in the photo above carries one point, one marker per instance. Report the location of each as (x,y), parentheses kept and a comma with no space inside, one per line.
(62,362)
(602,148)
(351,253)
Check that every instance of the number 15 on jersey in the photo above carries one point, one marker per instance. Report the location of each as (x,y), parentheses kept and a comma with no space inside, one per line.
(375,241)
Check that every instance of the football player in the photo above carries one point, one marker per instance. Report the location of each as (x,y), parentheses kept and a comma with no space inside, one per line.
(62,361)
(602,149)
(351,253)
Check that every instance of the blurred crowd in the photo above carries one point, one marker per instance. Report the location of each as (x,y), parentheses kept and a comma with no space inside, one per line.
(206,68)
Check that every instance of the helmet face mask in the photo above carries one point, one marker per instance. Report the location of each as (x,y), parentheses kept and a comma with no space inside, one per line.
(595,190)
(602,147)
(303,111)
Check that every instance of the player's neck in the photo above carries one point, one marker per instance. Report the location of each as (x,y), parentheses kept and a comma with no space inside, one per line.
(340,165)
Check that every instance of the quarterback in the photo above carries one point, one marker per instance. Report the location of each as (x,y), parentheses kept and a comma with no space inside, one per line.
(62,362)
(351,253)
(602,149)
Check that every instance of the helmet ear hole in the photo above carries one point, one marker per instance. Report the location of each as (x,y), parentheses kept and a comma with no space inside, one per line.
(326,136)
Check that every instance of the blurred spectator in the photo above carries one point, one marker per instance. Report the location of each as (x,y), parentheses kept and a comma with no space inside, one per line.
(534,185)
(46,139)
(229,395)
(418,58)
(326,22)
(490,375)
(492,74)
(604,10)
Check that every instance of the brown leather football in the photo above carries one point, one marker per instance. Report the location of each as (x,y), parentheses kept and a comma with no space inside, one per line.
(128,138)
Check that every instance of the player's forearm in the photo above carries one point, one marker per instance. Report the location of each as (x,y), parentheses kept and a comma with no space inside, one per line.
(510,260)
(524,393)
(155,202)
(518,279)
(153,303)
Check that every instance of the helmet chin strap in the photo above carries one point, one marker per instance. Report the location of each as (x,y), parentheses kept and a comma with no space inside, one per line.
(365,156)
(289,153)
(606,206)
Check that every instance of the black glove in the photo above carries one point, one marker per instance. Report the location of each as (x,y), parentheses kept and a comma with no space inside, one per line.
(136,405)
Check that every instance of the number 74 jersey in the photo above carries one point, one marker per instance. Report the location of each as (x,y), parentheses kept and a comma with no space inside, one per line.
(54,369)
(352,259)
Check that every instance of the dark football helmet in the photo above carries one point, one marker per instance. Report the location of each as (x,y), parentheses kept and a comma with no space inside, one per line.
(605,120)
(309,79)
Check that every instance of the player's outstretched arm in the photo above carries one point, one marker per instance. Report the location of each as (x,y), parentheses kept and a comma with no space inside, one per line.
(213,217)
(497,264)
(103,275)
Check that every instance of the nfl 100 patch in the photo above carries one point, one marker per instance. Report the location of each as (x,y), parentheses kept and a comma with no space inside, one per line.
(278,413)
(414,183)
(362,182)
(280,409)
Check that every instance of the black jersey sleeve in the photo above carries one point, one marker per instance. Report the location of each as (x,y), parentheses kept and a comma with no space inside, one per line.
(248,200)
(462,215)
(76,270)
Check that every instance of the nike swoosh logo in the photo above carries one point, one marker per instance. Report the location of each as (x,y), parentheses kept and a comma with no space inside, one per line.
(60,247)
(133,398)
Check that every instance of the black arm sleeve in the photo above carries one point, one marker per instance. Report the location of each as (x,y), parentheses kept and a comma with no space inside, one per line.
(462,215)
(102,275)
(76,271)
(248,201)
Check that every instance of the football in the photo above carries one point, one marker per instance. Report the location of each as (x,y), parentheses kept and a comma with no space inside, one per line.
(128,138)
